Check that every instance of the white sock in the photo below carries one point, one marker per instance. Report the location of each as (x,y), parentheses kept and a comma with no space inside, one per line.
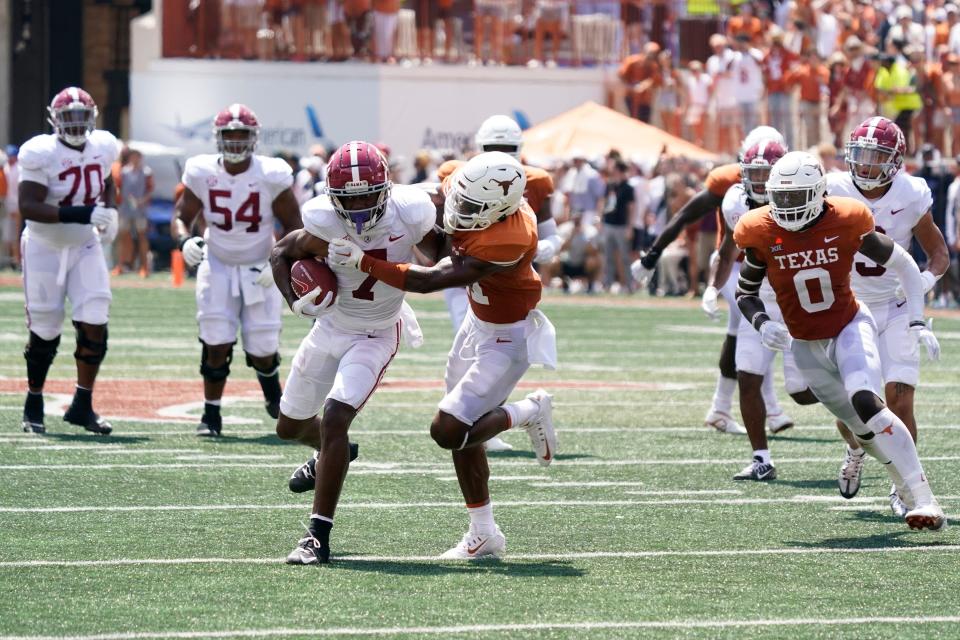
(892,445)
(855,452)
(521,412)
(763,454)
(320,517)
(215,403)
(723,395)
(481,518)
(770,394)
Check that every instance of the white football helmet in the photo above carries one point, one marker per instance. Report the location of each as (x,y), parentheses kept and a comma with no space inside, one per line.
(487,189)
(796,188)
(763,132)
(502,133)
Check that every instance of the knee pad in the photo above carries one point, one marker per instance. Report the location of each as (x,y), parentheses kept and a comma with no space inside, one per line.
(271,369)
(215,374)
(98,350)
(39,354)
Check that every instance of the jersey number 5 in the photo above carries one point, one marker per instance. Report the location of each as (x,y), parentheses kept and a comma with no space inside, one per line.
(864,268)
(248,212)
(808,282)
(93,186)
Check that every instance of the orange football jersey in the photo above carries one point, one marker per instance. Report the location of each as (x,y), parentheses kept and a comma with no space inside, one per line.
(539,183)
(719,180)
(809,270)
(506,296)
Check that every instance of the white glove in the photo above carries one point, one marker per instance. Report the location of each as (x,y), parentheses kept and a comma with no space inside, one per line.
(640,273)
(103,217)
(265,276)
(344,253)
(547,248)
(929,281)
(775,336)
(923,335)
(709,302)
(306,307)
(192,251)
(108,233)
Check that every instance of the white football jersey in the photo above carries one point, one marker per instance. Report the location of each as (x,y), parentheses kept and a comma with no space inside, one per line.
(735,204)
(895,214)
(363,302)
(72,178)
(238,209)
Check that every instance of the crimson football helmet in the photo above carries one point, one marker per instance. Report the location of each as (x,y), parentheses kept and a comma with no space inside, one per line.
(73,115)
(755,168)
(358,183)
(874,153)
(236,129)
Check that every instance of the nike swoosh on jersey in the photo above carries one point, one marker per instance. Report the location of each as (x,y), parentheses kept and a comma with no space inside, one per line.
(395,238)
(830,239)
(895,212)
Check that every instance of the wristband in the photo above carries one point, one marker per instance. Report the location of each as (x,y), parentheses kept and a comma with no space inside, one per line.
(75,215)
(183,240)
(649,259)
(758,319)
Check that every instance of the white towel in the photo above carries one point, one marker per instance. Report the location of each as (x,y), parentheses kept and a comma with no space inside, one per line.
(412,334)
(541,339)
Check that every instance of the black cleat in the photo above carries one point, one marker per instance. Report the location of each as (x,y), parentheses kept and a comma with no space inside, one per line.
(757,470)
(88,419)
(309,551)
(33,414)
(273,409)
(210,426)
(305,477)
(32,425)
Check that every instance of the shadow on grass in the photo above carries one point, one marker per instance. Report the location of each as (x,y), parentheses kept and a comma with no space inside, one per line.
(828,484)
(530,455)
(795,437)
(93,438)
(546,569)
(269,439)
(902,538)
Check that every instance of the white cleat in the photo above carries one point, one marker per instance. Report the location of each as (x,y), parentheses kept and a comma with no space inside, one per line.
(543,437)
(897,505)
(929,516)
(478,545)
(850,472)
(723,423)
(496,444)
(778,422)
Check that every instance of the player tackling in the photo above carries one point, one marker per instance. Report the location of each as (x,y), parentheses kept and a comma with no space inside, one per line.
(805,243)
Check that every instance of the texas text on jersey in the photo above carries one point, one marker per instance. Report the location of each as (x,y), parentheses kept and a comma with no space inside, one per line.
(363,302)
(895,214)
(73,178)
(809,270)
(237,208)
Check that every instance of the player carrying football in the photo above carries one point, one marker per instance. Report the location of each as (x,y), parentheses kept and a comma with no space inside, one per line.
(900,205)
(805,245)
(239,194)
(494,240)
(67,197)
(357,331)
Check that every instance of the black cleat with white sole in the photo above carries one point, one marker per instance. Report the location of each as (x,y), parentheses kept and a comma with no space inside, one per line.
(309,551)
(33,414)
(757,470)
(210,426)
(88,419)
(305,477)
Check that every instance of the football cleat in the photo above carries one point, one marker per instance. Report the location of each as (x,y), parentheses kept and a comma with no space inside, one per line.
(778,423)
(850,472)
(543,436)
(929,516)
(723,423)
(210,426)
(88,419)
(32,425)
(305,476)
(309,551)
(33,414)
(273,409)
(497,444)
(477,545)
(897,505)
(757,470)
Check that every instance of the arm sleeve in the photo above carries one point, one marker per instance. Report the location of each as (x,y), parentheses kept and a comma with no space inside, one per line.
(907,271)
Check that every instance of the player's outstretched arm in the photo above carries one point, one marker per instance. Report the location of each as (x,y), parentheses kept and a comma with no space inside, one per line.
(287,211)
(698,206)
(931,241)
(294,246)
(887,253)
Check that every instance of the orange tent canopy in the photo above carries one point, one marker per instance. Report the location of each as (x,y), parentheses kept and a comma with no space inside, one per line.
(593,130)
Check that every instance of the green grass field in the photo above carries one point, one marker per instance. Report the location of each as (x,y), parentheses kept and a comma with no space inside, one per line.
(637,530)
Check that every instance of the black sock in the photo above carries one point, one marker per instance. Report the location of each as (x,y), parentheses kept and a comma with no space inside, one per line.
(211,410)
(271,387)
(34,404)
(82,398)
(320,529)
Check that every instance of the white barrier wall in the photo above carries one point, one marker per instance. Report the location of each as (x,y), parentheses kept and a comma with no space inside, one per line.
(173,101)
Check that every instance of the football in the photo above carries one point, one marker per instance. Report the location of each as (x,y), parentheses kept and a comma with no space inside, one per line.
(306,275)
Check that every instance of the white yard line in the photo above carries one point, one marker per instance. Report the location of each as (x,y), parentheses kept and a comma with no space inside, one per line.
(530,557)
